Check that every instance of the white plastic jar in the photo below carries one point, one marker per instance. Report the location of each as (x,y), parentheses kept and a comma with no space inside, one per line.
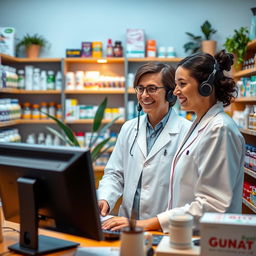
(181,231)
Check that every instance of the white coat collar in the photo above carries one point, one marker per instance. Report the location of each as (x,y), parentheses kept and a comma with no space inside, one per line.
(172,127)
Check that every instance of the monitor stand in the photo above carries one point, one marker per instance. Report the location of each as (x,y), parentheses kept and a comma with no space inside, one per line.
(30,242)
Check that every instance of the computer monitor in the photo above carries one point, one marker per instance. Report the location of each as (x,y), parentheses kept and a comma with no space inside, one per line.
(49,187)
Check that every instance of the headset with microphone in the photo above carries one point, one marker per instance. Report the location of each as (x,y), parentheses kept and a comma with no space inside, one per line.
(170,97)
(206,87)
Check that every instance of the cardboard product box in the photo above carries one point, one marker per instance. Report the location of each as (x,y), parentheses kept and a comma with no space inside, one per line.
(135,43)
(72,53)
(228,234)
(7,41)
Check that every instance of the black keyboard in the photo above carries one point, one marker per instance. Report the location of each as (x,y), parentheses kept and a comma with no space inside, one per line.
(115,235)
(110,234)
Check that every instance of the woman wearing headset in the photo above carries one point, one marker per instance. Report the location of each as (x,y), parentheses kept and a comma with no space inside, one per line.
(207,169)
(139,166)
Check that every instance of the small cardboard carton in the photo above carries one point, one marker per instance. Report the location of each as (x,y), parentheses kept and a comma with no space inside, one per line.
(135,43)
(228,234)
(7,41)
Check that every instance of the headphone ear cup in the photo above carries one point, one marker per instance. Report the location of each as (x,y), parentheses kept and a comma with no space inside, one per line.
(170,97)
(205,89)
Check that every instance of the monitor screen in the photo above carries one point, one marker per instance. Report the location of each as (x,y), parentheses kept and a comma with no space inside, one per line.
(49,187)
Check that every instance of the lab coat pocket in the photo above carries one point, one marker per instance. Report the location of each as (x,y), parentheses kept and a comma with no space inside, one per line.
(165,165)
(186,171)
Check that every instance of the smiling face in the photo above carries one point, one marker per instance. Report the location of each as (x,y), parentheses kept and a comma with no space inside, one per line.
(187,93)
(155,105)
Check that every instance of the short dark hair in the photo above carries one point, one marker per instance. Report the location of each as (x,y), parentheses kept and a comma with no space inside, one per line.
(167,71)
(201,65)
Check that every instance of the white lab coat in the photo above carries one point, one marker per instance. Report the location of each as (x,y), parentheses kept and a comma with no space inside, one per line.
(123,171)
(207,171)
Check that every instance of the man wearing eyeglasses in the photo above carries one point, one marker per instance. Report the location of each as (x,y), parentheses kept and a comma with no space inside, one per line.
(140,164)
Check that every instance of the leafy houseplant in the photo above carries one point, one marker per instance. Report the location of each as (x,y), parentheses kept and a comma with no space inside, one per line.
(32,44)
(237,44)
(68,137)
(198,42)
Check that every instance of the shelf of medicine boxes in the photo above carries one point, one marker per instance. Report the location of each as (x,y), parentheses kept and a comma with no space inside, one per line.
(249,205)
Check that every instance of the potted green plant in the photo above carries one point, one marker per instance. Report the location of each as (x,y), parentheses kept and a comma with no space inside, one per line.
(237,44)
(32,45)
(208,45)
(202,43)
(68,137)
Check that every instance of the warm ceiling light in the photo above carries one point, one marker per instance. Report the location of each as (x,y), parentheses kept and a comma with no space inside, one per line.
(102,61)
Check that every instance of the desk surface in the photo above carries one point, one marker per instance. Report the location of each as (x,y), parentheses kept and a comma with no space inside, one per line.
(11,237)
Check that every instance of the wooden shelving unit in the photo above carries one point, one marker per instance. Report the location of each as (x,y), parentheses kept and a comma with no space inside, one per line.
(96,91)
(36,121)
(249,135)
(8,123)
(250,172)
(248,132)
(249,205)
(90,121)
(245,99)
(17,91)
(102,60)
(8,58)
(98,168)
(131,91)
(171,60)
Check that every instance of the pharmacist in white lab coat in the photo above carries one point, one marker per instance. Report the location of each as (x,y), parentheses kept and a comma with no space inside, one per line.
(207,169)
(140,164)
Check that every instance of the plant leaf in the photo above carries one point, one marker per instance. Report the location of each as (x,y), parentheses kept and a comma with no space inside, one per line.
(99,115)
(67,130)
(96,151)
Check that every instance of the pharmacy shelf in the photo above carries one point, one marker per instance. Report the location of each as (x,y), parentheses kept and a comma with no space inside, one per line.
(9,123)
(17,91)
(250,172)
(96,91)
(35,121)
(98,168)
(246,72)
(249,205)
(131,91)
(90,121)
(247,131)
(8,58)
(154,59)
(94,60)
(246,99)
(251,45)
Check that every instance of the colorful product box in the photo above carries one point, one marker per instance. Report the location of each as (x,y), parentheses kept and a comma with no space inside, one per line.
(228,234)
(86,49)
(135,43)
(73,53)
(7,41)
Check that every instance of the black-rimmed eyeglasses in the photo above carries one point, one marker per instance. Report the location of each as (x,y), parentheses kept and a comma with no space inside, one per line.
(151,89)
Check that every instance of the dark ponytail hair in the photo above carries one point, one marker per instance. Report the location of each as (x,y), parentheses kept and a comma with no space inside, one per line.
(201,65)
